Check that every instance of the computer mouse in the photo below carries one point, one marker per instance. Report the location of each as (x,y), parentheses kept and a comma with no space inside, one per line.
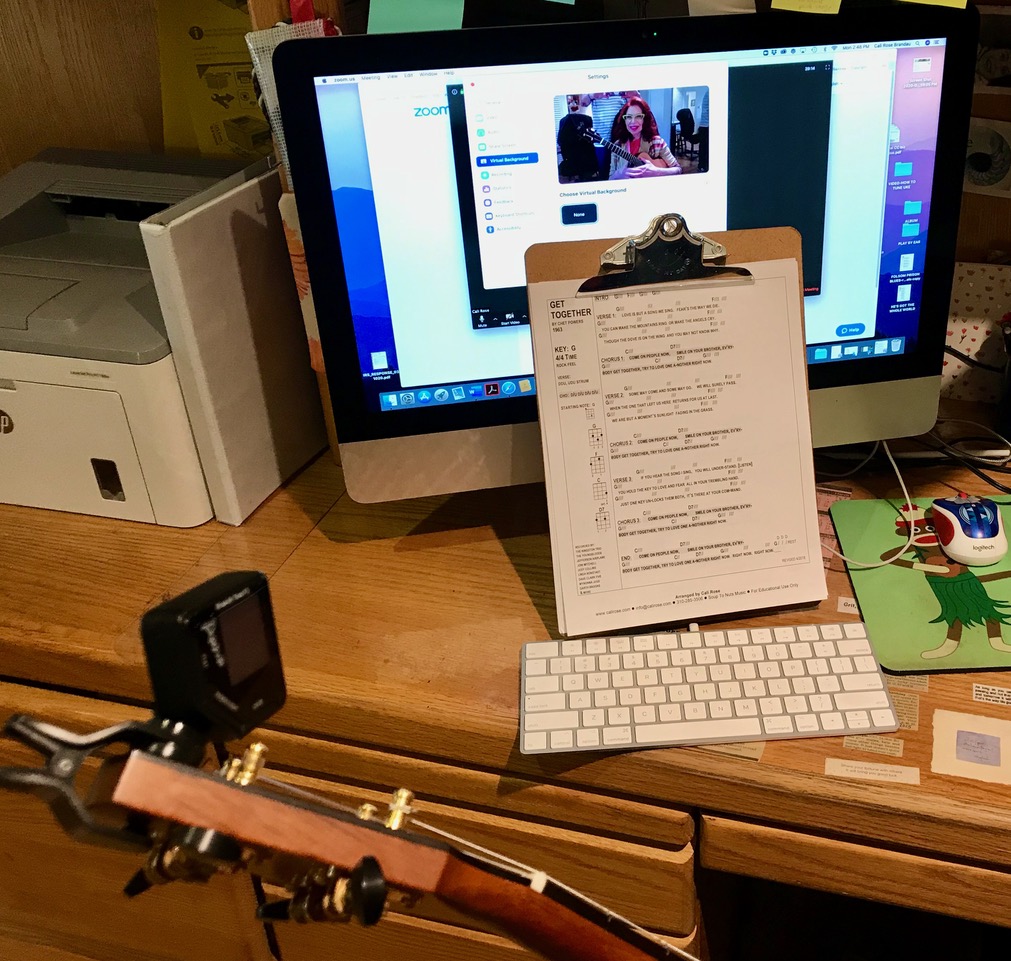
(970,529)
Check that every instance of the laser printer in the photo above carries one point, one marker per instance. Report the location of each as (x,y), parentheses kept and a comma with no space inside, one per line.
(92,416)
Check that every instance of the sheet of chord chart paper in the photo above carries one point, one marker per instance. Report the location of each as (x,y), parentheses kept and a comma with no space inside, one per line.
(677,449)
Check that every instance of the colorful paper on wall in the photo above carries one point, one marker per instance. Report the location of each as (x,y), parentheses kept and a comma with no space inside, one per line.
(403,16)
(208,103)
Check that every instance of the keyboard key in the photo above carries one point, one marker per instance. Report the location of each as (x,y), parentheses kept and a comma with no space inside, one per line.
(831,632)
(643,643)
(884,719)
(587,738)
(806,723)
(857,720)
(560,665)
(853,648)
(861,699)
(720,709)
(784,635)
(617,736)
(545,702)
(833,721)
(861,682)
(778,725)
(694,711)
(686,731)
(542,685)
(857,629)
(552,720)
(596,645)
(644,714)
(761,635)
(572,648)
(535,742)
(561,740)
(629,696)
(541,649)
(536,668)
(669,712)
(606,698)
(580,699)
(619,715)
(720,672)
(619,645)
(808,633)
(714,638)
(594,718)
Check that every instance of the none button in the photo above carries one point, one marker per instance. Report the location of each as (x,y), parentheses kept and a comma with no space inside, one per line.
(579,214)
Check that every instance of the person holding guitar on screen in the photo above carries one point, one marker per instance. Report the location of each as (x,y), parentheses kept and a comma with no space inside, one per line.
(637,149)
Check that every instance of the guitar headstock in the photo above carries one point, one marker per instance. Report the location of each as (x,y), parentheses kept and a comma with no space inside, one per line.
(216,674)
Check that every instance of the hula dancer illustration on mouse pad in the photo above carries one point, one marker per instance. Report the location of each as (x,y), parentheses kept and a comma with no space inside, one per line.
(963,599)
(945,616)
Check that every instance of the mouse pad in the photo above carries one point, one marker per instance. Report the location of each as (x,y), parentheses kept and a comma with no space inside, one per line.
(924,613)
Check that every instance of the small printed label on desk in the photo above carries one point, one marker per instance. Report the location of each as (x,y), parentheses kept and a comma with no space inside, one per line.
(991,695)
(908,682)
(907,709)
(750,750)
(848,606)
(874,744)
(866,771)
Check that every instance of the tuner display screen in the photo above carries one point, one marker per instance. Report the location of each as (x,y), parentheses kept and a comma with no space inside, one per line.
(243,639)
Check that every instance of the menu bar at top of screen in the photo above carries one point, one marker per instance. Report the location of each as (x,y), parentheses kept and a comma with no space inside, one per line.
(738,56)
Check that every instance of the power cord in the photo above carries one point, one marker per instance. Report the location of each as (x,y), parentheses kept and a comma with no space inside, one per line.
(912,529)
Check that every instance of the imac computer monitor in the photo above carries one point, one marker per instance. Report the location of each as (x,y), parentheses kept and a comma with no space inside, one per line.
(424,166)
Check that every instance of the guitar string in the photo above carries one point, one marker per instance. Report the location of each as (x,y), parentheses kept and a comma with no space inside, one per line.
(324,801)
(492,856)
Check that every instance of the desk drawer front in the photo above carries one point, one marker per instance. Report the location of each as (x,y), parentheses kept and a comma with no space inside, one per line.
(409,938)
(841,867)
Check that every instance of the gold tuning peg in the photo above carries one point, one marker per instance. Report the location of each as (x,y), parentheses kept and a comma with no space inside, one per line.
(400,807)
(244,770)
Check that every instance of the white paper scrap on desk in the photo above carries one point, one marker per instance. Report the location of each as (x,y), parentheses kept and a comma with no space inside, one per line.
(677,450)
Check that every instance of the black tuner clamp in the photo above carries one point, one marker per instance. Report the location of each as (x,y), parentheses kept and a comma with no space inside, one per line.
(215,669)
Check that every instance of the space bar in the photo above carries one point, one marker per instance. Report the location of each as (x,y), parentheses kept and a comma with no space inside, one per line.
(685,731)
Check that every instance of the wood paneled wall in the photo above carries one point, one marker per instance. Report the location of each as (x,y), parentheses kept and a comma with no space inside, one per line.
(82,74)
(85,73)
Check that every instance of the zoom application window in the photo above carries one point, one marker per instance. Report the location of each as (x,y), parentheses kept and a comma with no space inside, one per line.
(452,174)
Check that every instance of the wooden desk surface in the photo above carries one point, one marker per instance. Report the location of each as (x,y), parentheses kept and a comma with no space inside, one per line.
(400,627)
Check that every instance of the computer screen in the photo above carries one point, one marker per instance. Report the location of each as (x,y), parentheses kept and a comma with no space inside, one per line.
(425,165)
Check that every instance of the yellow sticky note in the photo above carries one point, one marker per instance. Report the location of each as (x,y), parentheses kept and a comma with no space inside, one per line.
(807,6)
(958,4)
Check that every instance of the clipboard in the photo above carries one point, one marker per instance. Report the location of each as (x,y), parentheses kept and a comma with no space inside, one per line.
(660,364)
(576,259)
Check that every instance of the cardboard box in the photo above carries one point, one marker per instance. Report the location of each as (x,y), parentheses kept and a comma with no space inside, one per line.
(225,286)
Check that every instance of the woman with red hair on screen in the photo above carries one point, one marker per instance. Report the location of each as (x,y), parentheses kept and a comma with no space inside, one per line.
(635,130)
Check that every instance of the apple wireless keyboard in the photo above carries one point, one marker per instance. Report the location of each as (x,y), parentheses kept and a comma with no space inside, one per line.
(701,687)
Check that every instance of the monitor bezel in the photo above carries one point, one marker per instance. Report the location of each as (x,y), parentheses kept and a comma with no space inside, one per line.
(297,63)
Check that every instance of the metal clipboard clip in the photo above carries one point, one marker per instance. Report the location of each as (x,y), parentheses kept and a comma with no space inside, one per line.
(666,252)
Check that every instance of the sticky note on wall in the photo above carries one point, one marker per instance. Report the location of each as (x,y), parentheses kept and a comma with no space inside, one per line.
(404,16)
